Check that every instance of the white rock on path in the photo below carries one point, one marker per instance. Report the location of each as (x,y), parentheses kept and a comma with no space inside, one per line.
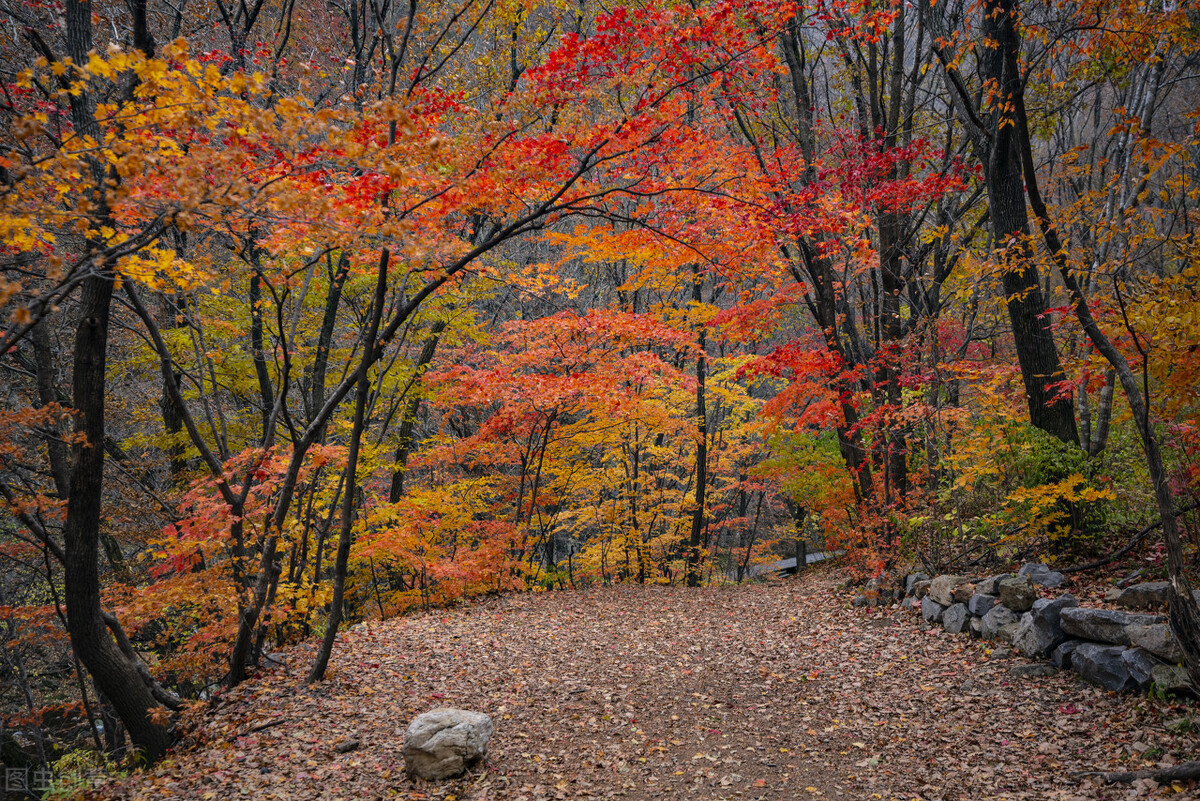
(445,743)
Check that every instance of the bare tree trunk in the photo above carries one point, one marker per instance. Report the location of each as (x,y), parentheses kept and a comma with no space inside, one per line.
(1103,416)
(56,448)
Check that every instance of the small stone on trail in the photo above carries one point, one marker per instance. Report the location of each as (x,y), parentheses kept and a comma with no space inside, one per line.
(1173,679)
(1101,664)
(1104,625)
(1039,632)
(990,585)
(1141,666)
(963,592)
(1157,639)
(1062,654)
(911,580)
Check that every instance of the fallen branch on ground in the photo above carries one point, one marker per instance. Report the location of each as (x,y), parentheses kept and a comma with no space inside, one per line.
(1183,772)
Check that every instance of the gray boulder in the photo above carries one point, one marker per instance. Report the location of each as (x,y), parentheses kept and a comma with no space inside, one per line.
(1140,665)
(941,589)
(445,743)
(1061,656)
(1042,575)
(1173,679)
(955,618)
(931,610)
(991,585)
(910,582)
(1147,595)
(860,600)
(975,626)
(981,602)
(1101,664)
(1017,594)
(1040,632)
(997,621)
(1156,639)
(1103,625)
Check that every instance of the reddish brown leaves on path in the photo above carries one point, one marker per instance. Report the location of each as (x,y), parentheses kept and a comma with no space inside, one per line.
(773,691)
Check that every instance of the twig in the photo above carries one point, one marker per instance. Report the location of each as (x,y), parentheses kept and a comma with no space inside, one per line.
(269,724)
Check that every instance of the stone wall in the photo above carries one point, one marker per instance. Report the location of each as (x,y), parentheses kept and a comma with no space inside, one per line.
(1119,649)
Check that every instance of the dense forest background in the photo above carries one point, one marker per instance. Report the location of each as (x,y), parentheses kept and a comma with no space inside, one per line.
(322,311)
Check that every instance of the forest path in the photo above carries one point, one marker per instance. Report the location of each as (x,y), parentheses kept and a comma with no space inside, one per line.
(769,691)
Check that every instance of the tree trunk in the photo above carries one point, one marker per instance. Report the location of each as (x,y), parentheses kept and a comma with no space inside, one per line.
(114,673)
(695,551)
(173,307)
(1103,416)
(266,394)
(56,448)
(825,288)
(1050,405)
(413,404)
(348,500)
(337,280)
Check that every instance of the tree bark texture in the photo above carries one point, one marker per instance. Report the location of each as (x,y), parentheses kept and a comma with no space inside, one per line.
(113,671)
(1051,407)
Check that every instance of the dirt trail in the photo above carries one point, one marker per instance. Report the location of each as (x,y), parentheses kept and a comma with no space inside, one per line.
(771,691)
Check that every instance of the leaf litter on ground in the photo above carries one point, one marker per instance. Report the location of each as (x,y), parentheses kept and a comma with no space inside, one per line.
(774,690)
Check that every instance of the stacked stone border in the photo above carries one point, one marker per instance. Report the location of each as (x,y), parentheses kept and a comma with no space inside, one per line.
(1118,649)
